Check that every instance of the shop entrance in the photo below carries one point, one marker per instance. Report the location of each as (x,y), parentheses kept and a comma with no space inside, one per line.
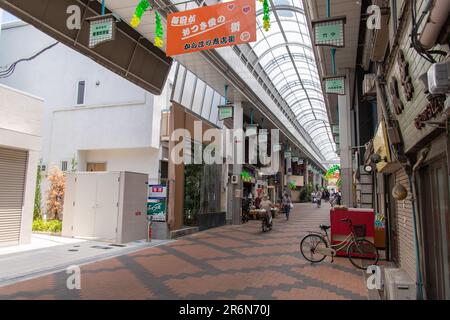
(392,224)
(434,194)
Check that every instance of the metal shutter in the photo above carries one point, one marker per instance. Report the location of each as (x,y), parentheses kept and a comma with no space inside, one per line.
(13,167)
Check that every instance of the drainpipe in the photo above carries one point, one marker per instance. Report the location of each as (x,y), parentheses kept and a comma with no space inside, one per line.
(438,17)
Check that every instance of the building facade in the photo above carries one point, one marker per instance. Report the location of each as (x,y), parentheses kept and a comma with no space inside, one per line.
(20,146)
(410,148)
(94,120)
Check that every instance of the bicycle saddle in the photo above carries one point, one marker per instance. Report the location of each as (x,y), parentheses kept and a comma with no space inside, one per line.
(324,227)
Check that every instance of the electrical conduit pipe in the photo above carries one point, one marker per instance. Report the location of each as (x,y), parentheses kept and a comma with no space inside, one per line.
(436,21)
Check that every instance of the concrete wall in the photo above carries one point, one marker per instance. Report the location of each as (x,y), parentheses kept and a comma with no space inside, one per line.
(134,160)
(20,128)
(108,127)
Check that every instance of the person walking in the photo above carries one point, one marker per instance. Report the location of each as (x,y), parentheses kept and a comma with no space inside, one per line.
(287,205)
(319,198)
(267,205)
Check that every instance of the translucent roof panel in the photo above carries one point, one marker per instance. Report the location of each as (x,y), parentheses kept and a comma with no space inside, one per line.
(286,55)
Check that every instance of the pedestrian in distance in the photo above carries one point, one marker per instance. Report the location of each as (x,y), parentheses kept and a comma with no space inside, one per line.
(287,205)
(319,198)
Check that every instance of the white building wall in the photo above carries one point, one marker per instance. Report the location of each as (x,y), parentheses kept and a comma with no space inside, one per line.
(116,113)
(20,128)
(119,160)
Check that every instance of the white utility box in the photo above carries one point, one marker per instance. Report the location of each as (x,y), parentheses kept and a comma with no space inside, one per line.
(398,285)
(106,206)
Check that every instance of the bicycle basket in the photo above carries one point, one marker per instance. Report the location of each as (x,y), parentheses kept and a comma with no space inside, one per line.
(359,230)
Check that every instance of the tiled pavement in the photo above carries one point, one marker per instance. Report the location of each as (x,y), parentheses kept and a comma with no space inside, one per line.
(231,262)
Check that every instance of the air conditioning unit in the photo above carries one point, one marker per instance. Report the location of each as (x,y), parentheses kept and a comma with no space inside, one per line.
(398,285)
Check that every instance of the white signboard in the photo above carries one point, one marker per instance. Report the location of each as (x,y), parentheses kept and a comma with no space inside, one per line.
(157,192)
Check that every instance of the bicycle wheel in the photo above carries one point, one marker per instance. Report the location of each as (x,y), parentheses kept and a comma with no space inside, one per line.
(362,254)
(308,247)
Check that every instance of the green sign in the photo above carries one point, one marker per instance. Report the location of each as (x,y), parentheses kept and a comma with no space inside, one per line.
(101,30)
(157,209)
(287,154)
(329,32)
(225,112)
(335,85)
(335,128)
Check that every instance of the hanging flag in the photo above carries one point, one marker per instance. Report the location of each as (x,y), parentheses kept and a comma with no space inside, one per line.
(210,27)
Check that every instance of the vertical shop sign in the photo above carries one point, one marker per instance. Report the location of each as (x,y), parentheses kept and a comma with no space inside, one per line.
(156,203)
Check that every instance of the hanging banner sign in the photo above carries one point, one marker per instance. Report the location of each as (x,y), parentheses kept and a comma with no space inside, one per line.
(335,85)
(101,29)
(225,112)
(210,27)
(329,32)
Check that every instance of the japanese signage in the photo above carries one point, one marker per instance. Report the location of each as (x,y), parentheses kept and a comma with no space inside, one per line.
(102,29)
(434,107)
(335,85)
(157,192)
(225,112)
(211,27)
(156,203)
(157,210)
(329,32)
(335,128)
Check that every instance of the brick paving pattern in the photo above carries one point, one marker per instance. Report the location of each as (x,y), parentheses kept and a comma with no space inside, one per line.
(230,262)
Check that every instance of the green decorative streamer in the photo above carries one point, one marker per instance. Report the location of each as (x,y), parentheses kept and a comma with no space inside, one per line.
(245,176)
(143,6)
(266,16)
(332,170)
(159,32)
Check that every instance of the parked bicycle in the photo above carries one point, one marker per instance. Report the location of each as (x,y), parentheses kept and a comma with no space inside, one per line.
(362,253)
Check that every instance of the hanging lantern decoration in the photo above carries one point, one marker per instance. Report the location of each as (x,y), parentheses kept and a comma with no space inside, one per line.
(159,31)
(266,15)
(333,172)
(143,6)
